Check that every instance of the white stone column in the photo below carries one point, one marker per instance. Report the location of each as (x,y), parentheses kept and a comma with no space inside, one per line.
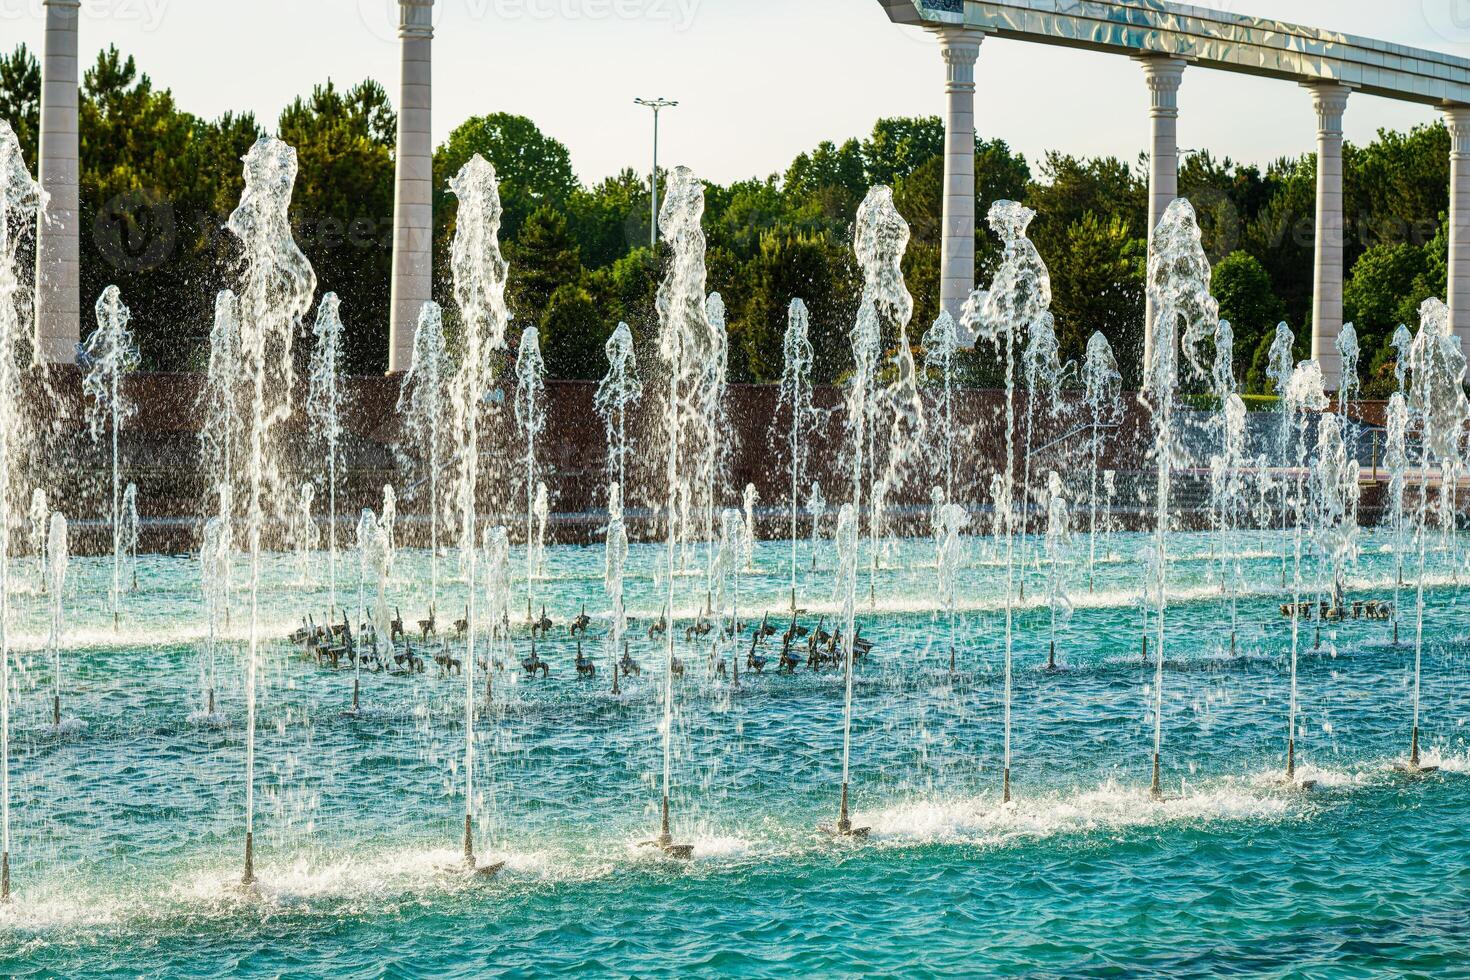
(960,48)
(58,239)
(413,206)
(1330,101)
(1457,117)
(1163,76)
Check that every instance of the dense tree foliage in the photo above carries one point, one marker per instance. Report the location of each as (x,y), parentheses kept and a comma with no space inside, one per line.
(158,184)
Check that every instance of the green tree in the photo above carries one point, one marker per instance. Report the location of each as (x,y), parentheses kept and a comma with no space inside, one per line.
(544,258)
(898,146)
(1097,284)
(573,334)
(1247,300)
(20,100)
(533,168)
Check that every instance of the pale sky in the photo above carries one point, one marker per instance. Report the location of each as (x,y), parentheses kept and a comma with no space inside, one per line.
(758,80)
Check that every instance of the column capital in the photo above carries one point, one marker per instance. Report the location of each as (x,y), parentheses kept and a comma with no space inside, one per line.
(416,18)
(960,48)
(1457,120)
(1163,76)
(1330,100)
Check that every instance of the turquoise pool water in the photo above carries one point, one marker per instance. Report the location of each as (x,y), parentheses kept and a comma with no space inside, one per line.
(127,824)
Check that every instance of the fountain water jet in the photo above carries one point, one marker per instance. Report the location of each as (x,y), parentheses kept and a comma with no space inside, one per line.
(1179,291)
(425,413)
(1102,384)
(480,272)
(56,587)
(795,400)
(530,411)
(277,288)
(325,402)
(110,355)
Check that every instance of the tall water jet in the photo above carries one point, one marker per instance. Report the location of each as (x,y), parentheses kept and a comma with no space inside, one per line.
(1058,535)
(725,589)
(685,338)
(40,518)
(615,563)
(1279,366)
(304,534)
(497,598)
(953,519)
(542,509)
(221,434)
(530,409)
(846,589)
(941,343)
(1335,511)
(325,401)
(480,272)
(21,203)
(713,432)
(367,540)
(794,404)
(618,391)
(747,534)
(1304,393)
(1042,370)
(277,286)
(424,406)
(1018,297)
(1179,294)
(880,239)
(109,355)
(1437,398)
(1396,457)
(56,588)
(816,509)
(132,528)
(1226,488)
(1222,386)
(388,518)
(1102,390)
(214,570)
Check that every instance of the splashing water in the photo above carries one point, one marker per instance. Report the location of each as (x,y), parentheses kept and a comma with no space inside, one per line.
(277,286)
(1018,297)
(1437,400)
(846,594)
(1058,535)
(713,430)
(1102,385)
(953,519)
(1280,363)
(619,390)
(304,534)
(940,344)
(530,409)
(56,588)
(1397,460)
(109,355)
(480,272)
(222,432)
(816,509)
(747,534)
(214,572)
(424,408)
(389,519)
(615,566)
(1304,393)
(1179,290)
(685,335)
(325,402)
(542,509)
(795,400)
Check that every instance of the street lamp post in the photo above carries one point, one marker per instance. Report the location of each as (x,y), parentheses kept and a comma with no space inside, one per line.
(655,105)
